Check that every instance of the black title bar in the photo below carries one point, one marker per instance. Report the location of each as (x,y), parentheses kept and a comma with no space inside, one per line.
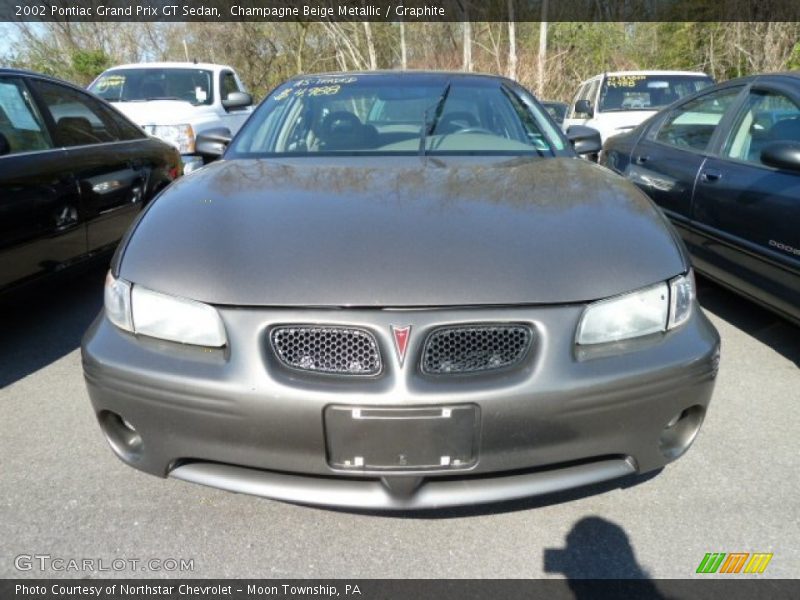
(733,588)
(216,11)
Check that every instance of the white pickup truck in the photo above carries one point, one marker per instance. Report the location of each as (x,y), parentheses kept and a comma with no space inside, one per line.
(177,101)
(613,103)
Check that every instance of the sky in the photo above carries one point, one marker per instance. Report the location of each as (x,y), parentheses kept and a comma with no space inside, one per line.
(6,38)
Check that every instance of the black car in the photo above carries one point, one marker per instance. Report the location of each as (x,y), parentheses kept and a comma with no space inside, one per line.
(724,165)
(74,173)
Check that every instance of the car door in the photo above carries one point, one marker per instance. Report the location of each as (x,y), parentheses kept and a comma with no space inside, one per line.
(42,226)
(666,160)
(749,211)
(576,118)
(101,150)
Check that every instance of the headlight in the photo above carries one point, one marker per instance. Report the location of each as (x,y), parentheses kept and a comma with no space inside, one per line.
(142,311)
(180,136)
(117,300)
(623,317)
(657,308)
(681,299)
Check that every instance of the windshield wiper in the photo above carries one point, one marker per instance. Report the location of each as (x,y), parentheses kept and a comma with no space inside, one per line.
(429,126)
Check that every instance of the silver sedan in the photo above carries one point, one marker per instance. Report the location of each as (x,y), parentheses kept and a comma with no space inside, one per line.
(400,291)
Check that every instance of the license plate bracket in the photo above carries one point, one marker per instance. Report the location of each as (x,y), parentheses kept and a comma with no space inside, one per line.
(402,439)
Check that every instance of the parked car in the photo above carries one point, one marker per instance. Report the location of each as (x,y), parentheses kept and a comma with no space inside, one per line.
(400,290)
(177,101)
(73,175)
(724,165)
(557,110)
(614,103)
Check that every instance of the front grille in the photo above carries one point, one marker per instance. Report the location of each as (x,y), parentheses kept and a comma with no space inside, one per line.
(321,349)
(475,348)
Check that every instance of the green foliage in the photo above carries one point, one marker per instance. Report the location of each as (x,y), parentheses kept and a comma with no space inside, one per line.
(794,59)
(88,64)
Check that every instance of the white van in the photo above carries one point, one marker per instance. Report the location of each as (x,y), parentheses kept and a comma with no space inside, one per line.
(614,103)
(176,101)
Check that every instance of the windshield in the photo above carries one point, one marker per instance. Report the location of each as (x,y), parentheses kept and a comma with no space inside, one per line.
(647,92)
(381,115)
(139,85)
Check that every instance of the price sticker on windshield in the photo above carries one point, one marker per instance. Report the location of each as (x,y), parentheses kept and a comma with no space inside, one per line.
(109,81)
(323,90)
(624,81)
(326,90)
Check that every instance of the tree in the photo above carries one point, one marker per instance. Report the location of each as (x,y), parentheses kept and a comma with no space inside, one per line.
(512,42)
(88,64)
(548,57)
(541,56)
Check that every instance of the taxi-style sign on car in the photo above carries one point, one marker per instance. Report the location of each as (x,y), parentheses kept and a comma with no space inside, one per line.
(400,291)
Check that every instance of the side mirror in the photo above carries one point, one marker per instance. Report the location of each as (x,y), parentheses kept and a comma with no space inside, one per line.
(5,147)
(584,107)
(782,155)
(212,143)
(237,100)
(585,140)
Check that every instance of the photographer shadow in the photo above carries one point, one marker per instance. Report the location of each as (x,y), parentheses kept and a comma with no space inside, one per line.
(597,549)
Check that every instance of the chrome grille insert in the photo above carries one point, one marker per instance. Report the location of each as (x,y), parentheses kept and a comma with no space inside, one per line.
(324,349)
(475,348)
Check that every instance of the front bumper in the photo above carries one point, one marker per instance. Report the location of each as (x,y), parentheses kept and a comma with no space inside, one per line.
(234,418)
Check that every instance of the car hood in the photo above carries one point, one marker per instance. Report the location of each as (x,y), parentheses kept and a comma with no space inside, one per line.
(161,112)
(616,122)
(356,232)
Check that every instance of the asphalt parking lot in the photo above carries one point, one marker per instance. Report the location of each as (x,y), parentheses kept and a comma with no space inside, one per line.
(64,494)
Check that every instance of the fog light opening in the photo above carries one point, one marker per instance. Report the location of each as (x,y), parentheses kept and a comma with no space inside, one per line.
(121,435)
(680,431)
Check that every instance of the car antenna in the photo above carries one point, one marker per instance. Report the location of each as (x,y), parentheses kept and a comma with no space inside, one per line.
(429,127)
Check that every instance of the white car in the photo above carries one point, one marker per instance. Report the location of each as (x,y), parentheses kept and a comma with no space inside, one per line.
(176,101)
(613,103)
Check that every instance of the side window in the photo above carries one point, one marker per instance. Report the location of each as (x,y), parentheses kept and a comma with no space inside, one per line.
(655,125)
(591,94)
(125,129)
(693,124)
(579,96)
(78,119)
(21,125)
(537,129)
(768,117)
(228,84)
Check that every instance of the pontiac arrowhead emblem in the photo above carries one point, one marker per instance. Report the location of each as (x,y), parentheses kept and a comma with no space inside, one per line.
(401,335)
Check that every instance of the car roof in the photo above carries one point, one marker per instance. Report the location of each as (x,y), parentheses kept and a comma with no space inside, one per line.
(779,75)
(794,76)
(657,73)
(28,73)
(171,65)
(407,73)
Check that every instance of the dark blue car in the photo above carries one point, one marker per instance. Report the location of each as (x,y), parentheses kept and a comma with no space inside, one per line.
(724,165)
